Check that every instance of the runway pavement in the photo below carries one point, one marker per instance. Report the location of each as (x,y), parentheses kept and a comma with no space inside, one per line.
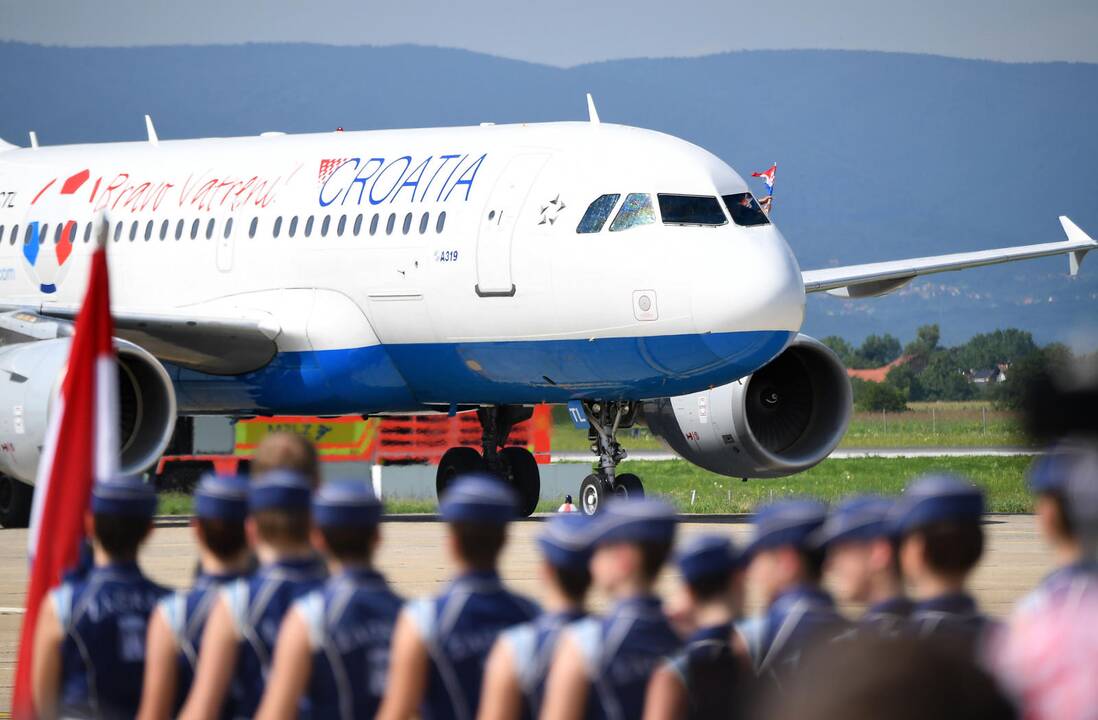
(839,454)
(413,559)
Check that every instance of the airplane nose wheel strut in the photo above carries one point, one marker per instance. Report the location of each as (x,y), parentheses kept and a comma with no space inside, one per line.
(606,418)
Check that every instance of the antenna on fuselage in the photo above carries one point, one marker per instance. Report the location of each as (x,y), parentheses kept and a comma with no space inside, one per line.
(34,140)
(153,139)
(592,112)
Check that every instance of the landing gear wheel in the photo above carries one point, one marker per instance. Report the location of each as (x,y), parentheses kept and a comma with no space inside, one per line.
(15,502)
(525,477)
(628,486)
(456,461)
(593,493)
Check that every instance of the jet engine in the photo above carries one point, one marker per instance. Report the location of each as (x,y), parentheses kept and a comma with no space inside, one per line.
(781,420)
(30,378)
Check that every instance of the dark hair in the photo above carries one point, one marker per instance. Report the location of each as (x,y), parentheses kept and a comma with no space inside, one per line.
(350,544)
(479,544)
(120,535)
(653,557)
(224,538)
(573,582)
(709,587)
(953,547)
(1065,526)
(282,527)
(812,560)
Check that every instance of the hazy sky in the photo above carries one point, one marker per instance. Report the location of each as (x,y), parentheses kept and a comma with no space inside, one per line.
(569,32)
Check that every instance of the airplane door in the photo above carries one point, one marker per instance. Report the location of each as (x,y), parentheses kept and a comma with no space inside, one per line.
(224,240)
(497,225)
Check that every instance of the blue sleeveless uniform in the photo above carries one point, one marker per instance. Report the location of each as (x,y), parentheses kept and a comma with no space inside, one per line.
(459,628)
(186,612)
(258,604)
(620,652)
(953,618)
(716,680)
(533,645)
(104,614)
(795,619)
(350,623)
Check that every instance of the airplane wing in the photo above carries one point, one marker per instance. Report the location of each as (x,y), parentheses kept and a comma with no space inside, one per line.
(871,279)
(227,345)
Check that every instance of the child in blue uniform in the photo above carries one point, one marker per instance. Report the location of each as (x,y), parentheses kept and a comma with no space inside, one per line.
(334,643)
(90,639)
(440,644)
(938,521)
(514,681)
(243,624)
(786,567)
(711,676)
(175,628)
(602,667)
(862,564)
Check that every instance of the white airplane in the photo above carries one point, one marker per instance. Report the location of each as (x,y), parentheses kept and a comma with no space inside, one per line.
(476,268)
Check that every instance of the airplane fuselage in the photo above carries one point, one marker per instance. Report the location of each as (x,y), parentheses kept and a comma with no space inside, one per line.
(405,269)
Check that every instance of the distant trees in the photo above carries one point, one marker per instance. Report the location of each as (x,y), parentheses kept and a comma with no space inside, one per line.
(875,350)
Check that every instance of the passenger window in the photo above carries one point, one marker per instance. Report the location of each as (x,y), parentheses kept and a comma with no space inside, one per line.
(253,227)
(636,210)
(423,223)
(194,229)
(745,210)
(57,233)
(148,230)
(133,231)
(691,210)
(117,232)
(210,229)
(293,226)
(228,228)
(373,223)
(179,229)
(31,230)
(390,224)
(358,224)
(596,214)
(277,226)
(309,226)
(1,233)
(14,234)
(43,233)
(441,222)
(407,223)
(325,225)
(164,230)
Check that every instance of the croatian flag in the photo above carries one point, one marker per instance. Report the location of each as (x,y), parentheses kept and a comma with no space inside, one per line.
(81,446)
(768,177)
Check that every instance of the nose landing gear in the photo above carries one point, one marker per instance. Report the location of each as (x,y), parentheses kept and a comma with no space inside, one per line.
(606,418)
(515,465)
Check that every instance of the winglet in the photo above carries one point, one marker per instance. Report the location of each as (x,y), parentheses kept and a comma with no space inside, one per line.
(34,139)
(1075,234)
(592,112)
(153,139)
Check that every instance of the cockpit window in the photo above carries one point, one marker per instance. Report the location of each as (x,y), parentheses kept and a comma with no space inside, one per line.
(597,212)
(691,210)
(636,210)
(745,210)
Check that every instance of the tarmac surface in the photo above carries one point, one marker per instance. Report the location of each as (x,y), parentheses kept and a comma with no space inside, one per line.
(414,559)
(838,454)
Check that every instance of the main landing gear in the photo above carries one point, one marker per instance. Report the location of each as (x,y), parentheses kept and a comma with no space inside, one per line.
(605,419)
(516,465)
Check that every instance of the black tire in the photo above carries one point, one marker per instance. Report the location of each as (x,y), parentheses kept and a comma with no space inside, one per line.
(593,494)
(628,486)
(15,502)
(456,461)
(525,478)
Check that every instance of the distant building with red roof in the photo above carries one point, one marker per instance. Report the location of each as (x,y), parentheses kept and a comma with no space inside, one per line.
(877,375)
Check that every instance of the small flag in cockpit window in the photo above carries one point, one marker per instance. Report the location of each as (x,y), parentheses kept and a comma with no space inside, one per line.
(768,177)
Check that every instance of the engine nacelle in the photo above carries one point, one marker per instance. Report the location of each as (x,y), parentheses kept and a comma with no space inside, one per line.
(781,420)
(30,377)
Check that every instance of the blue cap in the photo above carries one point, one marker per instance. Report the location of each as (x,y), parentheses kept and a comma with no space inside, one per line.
(787,522)
(707,556)
(1054,471)
(635,521)
(346,503)
(859,519)
(935,498)
(478,498)
(128,496)
(566,541)
(280,490)
(221,497)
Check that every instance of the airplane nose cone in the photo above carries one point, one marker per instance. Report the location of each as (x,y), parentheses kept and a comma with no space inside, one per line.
(749,282)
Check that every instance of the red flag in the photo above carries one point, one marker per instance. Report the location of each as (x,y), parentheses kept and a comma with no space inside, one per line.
(85,420)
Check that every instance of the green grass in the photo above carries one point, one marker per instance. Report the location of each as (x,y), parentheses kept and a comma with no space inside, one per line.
(1003,479)
(944,424)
